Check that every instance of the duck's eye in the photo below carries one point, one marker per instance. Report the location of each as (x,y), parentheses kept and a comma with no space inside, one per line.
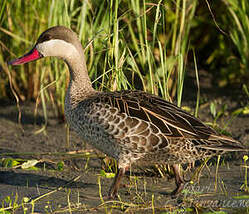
(44,38)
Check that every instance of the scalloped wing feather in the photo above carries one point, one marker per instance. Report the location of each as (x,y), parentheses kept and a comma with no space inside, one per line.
(172,121)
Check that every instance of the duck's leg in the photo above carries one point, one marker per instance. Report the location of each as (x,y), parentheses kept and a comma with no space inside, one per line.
(116,183)
(178,179)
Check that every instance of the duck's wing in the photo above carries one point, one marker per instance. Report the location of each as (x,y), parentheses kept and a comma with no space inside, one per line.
(172,121)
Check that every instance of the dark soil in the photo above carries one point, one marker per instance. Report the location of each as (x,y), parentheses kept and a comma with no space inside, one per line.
(50,147)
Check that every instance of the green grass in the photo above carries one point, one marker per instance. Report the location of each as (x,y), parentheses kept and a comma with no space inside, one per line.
(129,44)
(119,50)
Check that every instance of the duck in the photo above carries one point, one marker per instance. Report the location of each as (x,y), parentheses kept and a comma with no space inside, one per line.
(130,126)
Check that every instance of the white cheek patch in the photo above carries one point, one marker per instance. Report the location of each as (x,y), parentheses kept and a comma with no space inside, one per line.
(57,47)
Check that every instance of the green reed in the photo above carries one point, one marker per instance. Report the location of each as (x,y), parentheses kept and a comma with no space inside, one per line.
(128,45)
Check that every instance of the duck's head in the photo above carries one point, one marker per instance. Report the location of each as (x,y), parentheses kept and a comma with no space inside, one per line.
(57,41)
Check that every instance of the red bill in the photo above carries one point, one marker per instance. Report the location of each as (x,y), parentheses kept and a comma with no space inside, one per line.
(30,56)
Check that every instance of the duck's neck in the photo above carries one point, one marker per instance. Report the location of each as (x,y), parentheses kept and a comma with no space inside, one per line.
(80,86)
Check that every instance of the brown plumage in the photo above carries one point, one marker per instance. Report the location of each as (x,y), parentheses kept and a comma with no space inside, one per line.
(129,126)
